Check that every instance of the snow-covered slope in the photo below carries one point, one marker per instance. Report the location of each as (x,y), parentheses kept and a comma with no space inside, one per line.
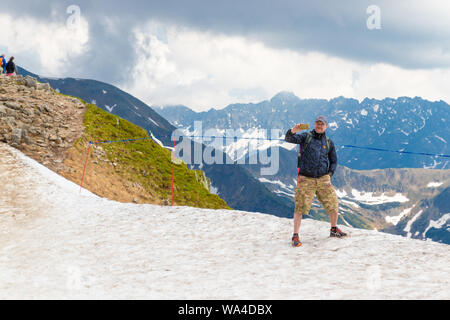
(56,242)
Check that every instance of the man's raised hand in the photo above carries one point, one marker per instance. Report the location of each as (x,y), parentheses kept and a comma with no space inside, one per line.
(300,126)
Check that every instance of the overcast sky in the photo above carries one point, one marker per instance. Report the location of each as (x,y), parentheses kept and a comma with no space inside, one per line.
(208,53)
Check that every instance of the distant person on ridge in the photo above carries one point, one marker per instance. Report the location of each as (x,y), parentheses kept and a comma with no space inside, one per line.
(3,63)
(316,164)
(11,67)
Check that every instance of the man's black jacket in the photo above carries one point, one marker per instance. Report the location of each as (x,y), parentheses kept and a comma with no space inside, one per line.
(316,160)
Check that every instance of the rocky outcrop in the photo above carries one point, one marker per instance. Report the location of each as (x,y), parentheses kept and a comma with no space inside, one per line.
(55,130)
(37,120)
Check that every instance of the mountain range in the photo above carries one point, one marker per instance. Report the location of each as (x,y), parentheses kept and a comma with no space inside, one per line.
(402,124)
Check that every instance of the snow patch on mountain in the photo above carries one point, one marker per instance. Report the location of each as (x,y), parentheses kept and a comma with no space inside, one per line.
(277,182)
(333,125)
(289,194)
(434,184)
(410,223)
(370,198)
(150,119)
(435,164)
(438,223)
(213,189)
(354,204)
(341,194)
(395,219)
(110,109)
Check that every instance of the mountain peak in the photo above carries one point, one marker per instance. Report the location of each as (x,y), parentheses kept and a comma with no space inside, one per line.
(285,97)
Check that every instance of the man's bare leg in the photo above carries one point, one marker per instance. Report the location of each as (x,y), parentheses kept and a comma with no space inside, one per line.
(335,232)
(297,221)
(295,238)
(334,218)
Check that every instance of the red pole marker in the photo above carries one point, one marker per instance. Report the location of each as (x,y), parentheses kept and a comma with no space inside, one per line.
(298,169)
(173,168)
(85,164)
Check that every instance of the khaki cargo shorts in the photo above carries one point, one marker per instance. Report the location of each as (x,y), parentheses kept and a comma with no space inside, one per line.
(309,187)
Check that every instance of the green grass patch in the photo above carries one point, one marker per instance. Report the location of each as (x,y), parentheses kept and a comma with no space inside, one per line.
(145,162)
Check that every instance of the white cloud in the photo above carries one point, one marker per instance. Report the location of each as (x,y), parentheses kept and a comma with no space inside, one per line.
(203,70)
(178,65)
(110,25)
(419,17)
(48,48)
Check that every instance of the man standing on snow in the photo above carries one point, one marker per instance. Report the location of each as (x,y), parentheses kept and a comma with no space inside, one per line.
(316,164)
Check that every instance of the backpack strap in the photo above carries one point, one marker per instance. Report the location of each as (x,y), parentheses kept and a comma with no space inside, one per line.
(309,138)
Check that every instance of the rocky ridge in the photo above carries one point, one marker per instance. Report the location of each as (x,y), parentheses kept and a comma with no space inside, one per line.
(37,120)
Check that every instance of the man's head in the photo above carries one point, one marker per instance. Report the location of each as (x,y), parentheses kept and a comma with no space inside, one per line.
(321,124)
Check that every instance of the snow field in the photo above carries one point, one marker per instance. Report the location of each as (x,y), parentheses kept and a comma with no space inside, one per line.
(58,243)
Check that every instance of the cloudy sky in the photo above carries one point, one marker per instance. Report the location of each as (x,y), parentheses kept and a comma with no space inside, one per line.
(210,53)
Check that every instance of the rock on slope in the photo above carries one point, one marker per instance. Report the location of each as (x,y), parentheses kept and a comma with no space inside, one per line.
(38,121)
(58,243)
